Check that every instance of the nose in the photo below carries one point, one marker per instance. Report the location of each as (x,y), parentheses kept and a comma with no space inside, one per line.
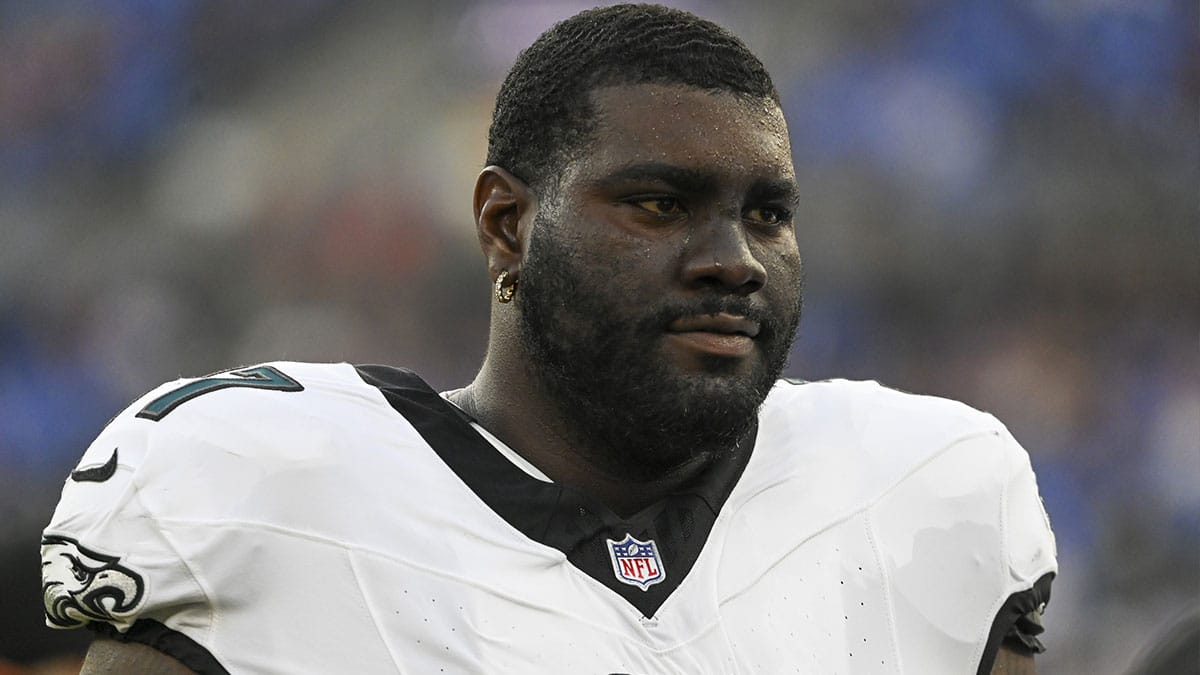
(718,255)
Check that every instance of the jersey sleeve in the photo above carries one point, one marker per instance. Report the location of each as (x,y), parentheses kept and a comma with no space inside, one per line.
(971,551)
(1031,548)
(106,563)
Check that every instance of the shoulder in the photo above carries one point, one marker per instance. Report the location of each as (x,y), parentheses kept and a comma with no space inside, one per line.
(892,441)
(868,403)
(922,464)
(948,497)
(261,407)
(245,430)
(886,431)
(258,393)
(198,463)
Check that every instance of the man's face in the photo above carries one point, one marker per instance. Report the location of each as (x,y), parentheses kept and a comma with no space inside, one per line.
(661,289)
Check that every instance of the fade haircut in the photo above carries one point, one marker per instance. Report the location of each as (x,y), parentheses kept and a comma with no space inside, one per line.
(544,113)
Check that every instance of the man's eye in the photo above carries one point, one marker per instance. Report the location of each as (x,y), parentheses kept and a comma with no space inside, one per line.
(768,215)
(662,206)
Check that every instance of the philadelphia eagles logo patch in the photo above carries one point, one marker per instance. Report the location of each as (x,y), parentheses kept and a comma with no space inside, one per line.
(81,585)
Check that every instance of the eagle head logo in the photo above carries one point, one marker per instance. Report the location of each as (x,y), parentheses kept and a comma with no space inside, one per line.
(81,585)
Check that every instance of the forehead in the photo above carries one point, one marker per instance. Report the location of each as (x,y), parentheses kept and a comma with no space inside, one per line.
(688,127)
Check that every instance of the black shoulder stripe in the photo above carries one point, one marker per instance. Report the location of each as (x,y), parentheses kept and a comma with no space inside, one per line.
(166,640)
(1012,626)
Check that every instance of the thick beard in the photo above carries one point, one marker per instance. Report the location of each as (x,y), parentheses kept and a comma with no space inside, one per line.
(595,357)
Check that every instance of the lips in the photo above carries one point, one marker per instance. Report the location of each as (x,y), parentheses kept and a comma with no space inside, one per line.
(716,334)
(720,324)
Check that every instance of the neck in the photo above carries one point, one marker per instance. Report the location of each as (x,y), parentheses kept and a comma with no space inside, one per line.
(505,402)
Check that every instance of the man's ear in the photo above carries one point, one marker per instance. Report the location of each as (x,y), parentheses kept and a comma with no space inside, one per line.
(504,209)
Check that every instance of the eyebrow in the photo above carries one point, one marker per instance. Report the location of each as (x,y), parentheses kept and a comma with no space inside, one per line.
(687,180)
(775,190)
(697,181)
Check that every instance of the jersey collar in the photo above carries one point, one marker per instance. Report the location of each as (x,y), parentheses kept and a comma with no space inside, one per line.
(559,516)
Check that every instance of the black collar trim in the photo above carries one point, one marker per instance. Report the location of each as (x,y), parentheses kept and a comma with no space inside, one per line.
(559,516)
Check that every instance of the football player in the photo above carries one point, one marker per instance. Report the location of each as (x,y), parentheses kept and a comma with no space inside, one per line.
(626,487)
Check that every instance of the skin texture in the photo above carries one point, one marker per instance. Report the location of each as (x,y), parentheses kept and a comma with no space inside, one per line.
(680,207)
(1010,662)
(107,657)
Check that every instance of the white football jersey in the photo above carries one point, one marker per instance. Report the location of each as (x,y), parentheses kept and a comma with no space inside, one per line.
(305,518)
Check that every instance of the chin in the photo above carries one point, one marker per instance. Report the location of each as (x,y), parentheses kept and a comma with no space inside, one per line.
(721,374)
(702,398)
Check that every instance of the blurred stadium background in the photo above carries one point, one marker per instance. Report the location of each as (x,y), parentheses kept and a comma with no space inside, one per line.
(1000,205)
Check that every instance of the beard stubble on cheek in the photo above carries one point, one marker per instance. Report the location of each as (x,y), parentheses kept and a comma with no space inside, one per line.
(598,356)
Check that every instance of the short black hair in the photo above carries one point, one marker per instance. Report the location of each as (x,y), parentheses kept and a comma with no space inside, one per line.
(544,109)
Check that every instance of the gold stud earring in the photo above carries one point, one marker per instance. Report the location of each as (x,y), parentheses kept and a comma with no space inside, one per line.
(505,293)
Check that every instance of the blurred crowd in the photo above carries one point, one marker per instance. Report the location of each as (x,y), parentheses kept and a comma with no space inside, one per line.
(1000,206)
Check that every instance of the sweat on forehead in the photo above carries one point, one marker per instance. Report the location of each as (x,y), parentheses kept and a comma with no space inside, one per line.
(544,109)
(685,125)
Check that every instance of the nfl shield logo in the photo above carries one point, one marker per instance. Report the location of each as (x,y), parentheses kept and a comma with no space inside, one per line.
(636,562)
